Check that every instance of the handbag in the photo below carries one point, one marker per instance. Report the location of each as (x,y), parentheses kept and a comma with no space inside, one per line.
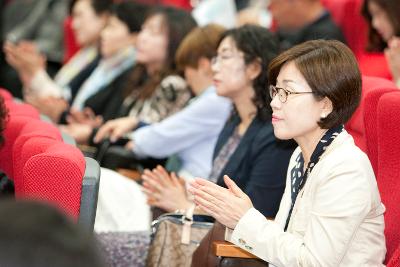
(175,237)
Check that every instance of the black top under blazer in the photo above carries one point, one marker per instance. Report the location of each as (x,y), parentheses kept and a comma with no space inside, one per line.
(259,163)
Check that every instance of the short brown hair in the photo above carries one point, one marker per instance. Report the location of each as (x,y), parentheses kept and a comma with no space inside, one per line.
(331,71)
(200,42)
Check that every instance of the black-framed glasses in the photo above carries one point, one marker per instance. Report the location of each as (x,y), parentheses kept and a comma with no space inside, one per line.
(283,93)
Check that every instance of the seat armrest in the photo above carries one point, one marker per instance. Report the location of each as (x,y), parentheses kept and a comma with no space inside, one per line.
(227,249)
(89,197)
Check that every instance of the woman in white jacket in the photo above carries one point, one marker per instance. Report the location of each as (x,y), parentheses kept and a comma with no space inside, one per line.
(331,213)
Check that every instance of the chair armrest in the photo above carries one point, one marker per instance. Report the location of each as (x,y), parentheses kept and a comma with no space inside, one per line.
(131,174)
(227,249)
(90,192)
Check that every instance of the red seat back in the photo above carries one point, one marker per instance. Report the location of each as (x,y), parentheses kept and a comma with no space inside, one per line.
(5,94)
(374,64)
(347,15)
(17,126)
(70,44)
(49,170)
(394,261)
(377,88)
(389,166)
(356,125)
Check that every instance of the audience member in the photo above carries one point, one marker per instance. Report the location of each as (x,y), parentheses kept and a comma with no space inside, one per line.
(155,90)
(298,21)
(52,97)
(246,145)
(36,235)
(101,96)
(384,31)
(37,22)
(190,134)
(331,213)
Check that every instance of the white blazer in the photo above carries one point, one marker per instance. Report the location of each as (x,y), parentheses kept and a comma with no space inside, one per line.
(337,219)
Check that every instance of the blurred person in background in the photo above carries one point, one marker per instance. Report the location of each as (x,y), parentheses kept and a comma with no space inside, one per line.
(52,97)
(155,89)
(102,94)
(39,23)
(298,21)
(383,20)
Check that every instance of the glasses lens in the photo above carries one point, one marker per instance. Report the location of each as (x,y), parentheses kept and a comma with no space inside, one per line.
(282,95)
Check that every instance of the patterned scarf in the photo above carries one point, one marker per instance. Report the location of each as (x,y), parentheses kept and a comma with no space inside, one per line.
(76,64)
(298,178)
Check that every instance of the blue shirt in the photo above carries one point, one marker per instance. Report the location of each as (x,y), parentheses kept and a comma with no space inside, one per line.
(191,133)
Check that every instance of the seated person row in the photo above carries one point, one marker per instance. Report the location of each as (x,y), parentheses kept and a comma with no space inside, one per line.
(153,89)
(50,96)
(331,212)
(191,133)
(246,146)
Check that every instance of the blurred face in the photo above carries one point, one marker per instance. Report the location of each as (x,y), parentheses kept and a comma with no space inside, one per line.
(230,77)
(199,78)
(152,42)
(86,24)
(296,118)
(380,21)
(192,76)
(115,37)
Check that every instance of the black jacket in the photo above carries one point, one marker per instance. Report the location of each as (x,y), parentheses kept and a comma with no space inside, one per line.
(323,28)
(108,101)
(259,163)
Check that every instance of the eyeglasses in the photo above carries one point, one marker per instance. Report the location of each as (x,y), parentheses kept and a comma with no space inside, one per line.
(222,58)
(283,93)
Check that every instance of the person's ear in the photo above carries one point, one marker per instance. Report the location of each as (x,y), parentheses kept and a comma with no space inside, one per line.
(253,69)
(204,64)
(327,107)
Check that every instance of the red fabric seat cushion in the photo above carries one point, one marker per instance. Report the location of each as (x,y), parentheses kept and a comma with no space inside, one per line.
(389,166)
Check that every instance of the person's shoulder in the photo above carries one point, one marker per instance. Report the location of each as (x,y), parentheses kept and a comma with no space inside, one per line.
(344,155)
(325,28)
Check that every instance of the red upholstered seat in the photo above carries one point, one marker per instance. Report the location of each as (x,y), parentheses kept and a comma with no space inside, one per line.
(5,94)
(374,64)
(19,125)
(43,167)
(70,44)
(347,15)
(356,125)
(394,261)
(21,109)
(377,88)
(389,166)
(47,169)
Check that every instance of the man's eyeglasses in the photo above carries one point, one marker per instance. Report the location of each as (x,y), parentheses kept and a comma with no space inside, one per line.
(283,93)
